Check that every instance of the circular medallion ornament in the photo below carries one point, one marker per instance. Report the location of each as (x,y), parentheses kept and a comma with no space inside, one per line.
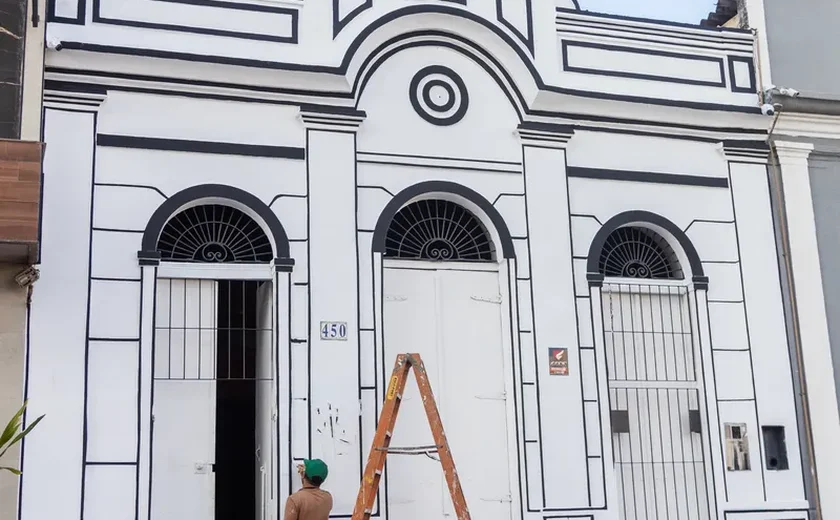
(439,95)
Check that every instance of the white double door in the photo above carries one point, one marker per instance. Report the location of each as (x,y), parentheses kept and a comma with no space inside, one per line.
(453,319)
(184,410)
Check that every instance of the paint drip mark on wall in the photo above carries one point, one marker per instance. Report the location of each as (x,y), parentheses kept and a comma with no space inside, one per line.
(331,433)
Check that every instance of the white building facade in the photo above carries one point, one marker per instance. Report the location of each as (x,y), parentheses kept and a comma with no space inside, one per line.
(250,207)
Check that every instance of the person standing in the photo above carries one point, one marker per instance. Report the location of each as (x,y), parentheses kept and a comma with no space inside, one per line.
(310,502)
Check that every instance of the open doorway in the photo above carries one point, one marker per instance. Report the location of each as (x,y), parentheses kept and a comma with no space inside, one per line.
(213,420)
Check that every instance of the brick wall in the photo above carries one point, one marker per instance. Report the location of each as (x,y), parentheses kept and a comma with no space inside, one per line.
(20,185)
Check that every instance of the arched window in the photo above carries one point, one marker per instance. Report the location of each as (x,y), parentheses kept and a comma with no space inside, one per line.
(214,233)
(636,252)
(438,230)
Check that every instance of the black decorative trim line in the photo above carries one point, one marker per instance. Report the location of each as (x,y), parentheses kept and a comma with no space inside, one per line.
(85,87)
(407,195)
(213,147)
(345,117)
(701,282)
(426,108)
(641,217)
(340,23)
(634,75)
(78,20)
(656,178)
(535,132)
(656,22)
(177,201)
(292,13)
(284,265)
(733,86)
(527,39)
(399,13)
(711,44)
(744,45)
(746,149)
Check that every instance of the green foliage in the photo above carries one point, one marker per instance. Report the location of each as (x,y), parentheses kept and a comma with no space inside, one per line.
(12,435)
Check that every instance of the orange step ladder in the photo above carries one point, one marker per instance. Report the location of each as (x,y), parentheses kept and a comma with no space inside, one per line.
(382,439)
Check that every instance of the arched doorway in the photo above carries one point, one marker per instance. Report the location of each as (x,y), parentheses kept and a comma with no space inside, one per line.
(655,380)
(214,436)
(443,298)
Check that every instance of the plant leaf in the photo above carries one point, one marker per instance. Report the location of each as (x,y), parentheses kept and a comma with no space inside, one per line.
(20,436)
(11,470)
(12,427)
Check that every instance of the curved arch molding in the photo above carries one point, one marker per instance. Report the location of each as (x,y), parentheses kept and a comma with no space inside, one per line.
(148,253)
(643,217)
(402,198)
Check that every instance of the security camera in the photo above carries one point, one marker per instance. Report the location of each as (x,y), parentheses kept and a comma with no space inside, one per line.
(54,44)
(792,92)
(27,277)
(768,110)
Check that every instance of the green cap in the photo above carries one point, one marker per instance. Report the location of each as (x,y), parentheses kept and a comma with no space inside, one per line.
(315,470)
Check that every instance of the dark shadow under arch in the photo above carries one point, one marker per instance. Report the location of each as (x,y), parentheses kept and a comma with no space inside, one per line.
(642,217)
(406,195)
(217,191)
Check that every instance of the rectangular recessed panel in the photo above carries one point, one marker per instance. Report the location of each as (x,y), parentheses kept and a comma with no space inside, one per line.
(226,19)
(627,62)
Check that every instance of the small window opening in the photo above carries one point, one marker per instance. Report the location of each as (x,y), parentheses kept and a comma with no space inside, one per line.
(636,252)
(438,230)
(775,450)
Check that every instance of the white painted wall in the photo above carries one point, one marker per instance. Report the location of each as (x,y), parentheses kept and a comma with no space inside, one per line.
(329,205)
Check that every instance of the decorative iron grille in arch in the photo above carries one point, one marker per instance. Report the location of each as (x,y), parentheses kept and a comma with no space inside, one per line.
(438,230)
(635,252)
(214,233)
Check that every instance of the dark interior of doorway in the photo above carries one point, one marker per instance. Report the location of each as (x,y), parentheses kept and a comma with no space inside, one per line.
(236,400)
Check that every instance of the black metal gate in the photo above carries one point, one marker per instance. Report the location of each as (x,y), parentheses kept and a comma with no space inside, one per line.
(657,402)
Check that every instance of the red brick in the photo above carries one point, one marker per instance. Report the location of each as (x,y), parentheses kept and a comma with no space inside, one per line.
(19,191)
(24,211)
(18,231)
(29,151)
(29,171)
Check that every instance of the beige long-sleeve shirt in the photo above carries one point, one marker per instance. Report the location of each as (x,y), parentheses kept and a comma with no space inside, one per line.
(309,503)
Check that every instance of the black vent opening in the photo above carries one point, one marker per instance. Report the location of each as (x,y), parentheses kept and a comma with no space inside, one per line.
(438,230)
(634,252)
(214,233)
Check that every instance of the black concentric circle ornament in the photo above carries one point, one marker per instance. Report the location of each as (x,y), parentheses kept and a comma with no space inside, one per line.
(439,95)
(634,252)
(214,234)
(438,230)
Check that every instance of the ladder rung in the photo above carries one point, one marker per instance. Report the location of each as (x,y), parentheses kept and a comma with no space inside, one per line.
(411,450)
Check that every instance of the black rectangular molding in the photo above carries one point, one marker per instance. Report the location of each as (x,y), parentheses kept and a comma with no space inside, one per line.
(632,75)
(292,13)
(656,178)
(214,147)
(732,60)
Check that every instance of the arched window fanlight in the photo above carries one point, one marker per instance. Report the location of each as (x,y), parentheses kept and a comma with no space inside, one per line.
(216,234)
(438,230)
(635,252)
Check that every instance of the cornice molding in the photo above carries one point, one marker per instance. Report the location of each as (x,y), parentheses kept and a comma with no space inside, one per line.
(546,135)
(792,152)
(815,126)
